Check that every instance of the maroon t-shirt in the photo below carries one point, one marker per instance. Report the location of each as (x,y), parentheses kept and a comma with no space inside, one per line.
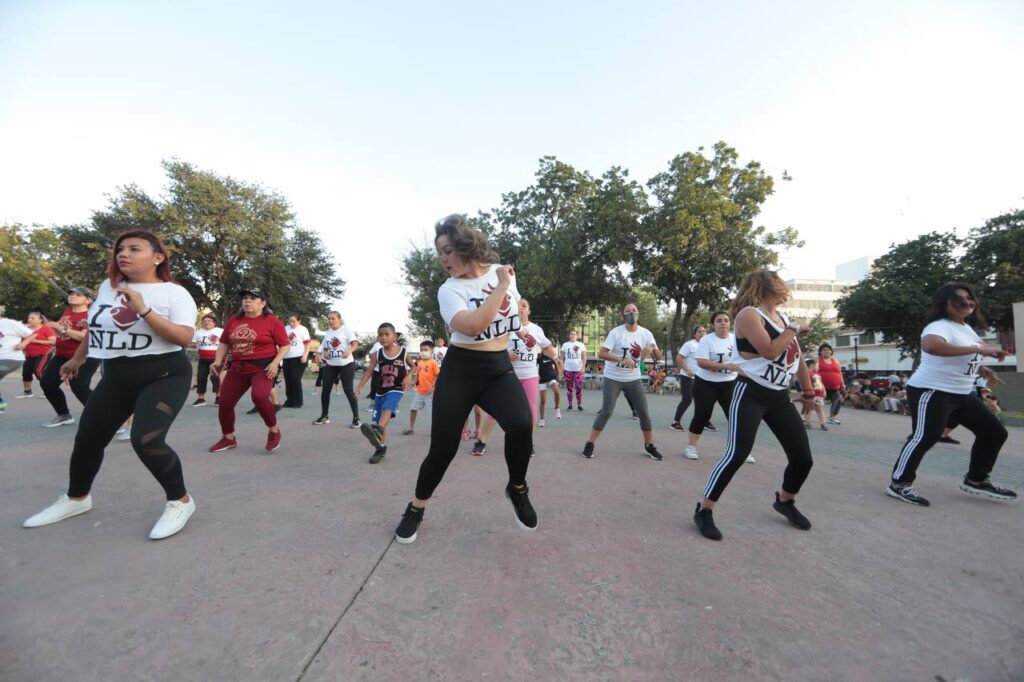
(254,338)
(35,350)
(69,319)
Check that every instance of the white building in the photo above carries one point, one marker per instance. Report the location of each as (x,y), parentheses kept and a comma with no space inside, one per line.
(808,297)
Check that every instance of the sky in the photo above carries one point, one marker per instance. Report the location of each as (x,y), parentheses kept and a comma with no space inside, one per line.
(893,118)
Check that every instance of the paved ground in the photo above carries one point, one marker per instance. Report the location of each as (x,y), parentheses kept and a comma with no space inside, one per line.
(288,570)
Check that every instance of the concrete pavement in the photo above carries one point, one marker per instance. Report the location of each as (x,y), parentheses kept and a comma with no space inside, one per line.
(288,570)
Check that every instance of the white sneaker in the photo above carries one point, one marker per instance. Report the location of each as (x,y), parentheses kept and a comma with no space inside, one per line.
(123,436)
(63,508)
(540,424)
(558,413)
(691,452)
(750,459)
(24,395)
(176,515)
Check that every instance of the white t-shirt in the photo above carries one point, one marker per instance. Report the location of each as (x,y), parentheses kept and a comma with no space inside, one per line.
(527,350)
(299,338)
(439,353)
(717,350)
(622,342)
(11,334)
(372,353)
(573,352)
(337,342)
(117,331)
(950,374)
(207,341)
(687,350)
(456,295)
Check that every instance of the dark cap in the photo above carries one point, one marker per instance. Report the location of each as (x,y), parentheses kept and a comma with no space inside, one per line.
(83,291)
(254,291)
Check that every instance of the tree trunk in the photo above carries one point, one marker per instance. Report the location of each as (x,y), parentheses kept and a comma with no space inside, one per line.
(673,334)
(690,310)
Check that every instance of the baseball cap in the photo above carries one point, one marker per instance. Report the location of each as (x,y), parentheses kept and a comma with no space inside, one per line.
(254,291)
(83,291)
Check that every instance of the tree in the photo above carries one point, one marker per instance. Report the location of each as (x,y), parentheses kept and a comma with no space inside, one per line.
(699,239)
(993,260)
(896,296)
(822,330)
(28,279)
(223,234)
(423,274)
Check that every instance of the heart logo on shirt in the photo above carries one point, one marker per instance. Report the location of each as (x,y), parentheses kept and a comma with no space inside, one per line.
(335,342)
(530,341)
(124,317)
(792,352)
(213,338)
(635,351)
(291,336)
(506,303)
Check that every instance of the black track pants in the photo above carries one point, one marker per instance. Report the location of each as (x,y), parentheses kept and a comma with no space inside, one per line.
(483,378)
(752,404)
(153,388)
(51,383)
(705,395)
(930,411)
(203,374)
(293,371)
(332,375)
(685,397)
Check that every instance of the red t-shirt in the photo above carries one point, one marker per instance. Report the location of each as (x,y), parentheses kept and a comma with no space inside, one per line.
(254,338)
(831,372)
(35,350)
(66,347)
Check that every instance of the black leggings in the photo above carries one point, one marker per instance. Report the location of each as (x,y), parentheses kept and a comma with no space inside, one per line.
(153,388)
(331,375)
(50,383)
(752,404)
(482,378)
(930,412)
(685,396)
(28,369)
(705,394)
(835,397)
(202,374)
(293,371)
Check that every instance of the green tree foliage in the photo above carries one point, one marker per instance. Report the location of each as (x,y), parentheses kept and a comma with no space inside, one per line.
(822,330)
(994,262)
(29,278)
(223,234)
(423,274)
(896,296)
(699,239)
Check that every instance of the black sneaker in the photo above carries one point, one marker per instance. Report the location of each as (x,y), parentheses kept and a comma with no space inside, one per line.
(378,454)
(479,448)
(988,489)
(526,517)
(951,441)
(372,433)
(677,426)
(706,523)
(579,408)
(322,420)
(216,402)
(569,409)
(411,519)
(277,408)
(200,402)
(636,417)
(652,452)
(710,427)
(253,410)
(789,510)
(906,492)
(588,450)
(355,424)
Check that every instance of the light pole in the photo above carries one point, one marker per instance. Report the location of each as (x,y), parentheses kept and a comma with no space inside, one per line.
(664,330)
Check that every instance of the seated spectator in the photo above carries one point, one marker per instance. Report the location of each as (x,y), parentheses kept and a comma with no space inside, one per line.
(991,401)
(892,400)
(862,399)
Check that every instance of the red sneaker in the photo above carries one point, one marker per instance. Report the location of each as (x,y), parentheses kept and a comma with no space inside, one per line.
(224,444)
(273,440)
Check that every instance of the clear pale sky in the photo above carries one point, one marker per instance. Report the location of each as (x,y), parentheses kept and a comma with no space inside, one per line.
(894,118)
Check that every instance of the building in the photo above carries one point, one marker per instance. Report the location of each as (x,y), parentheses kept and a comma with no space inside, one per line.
(809,297)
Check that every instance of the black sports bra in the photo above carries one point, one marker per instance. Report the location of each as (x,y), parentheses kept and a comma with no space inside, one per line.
(743,345)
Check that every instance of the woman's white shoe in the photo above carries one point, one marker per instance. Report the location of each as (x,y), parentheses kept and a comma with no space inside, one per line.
(176,515)
(63,508)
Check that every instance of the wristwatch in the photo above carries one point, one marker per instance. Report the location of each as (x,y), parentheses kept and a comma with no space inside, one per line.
(795,326)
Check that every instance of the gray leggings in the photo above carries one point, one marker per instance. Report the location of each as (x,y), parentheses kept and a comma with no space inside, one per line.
(634,391)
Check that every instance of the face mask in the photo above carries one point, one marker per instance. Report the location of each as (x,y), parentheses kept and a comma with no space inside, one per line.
(630,318)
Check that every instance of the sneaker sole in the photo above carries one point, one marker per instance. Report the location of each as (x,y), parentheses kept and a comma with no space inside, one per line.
(656,459)
(371,435)
(275,447)
(53,426)
(691,457)
(405,541)
(985,493)
(518,522)
(897,496)
(227,447)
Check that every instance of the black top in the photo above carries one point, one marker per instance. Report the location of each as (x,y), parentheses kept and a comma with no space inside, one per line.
(392,372)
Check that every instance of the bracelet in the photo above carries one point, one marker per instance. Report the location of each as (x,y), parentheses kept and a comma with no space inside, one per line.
(148,311)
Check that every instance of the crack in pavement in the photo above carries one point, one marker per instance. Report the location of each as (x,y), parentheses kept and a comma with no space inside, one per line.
(344,611)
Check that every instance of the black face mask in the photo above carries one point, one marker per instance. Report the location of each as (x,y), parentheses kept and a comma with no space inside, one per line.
(630,318)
